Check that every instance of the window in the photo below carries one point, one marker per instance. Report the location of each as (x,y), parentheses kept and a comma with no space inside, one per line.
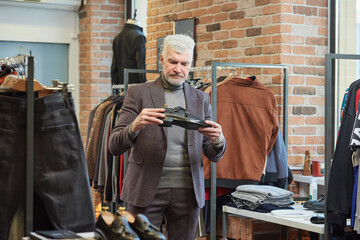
(51,59)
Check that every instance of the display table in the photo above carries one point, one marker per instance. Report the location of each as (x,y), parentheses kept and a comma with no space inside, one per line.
(294,222)
(86,235)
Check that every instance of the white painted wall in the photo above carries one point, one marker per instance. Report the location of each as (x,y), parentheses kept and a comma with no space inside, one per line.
(43,25)
(141,6)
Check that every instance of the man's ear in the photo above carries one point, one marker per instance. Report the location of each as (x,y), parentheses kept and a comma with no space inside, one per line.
(162,59)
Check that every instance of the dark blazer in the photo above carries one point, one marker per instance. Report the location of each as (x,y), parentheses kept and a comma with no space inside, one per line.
(128,52)
(149,148)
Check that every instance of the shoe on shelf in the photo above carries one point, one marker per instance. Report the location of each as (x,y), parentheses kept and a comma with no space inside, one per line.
(180,117)
(111,227)
(142,226)
(316,205)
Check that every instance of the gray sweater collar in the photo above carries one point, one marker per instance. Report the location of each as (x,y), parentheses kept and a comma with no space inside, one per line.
(168,85)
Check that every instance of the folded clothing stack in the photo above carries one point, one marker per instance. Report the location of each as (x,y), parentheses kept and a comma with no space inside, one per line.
(254,196)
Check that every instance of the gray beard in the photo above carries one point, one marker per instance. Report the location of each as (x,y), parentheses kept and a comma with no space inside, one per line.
(175,83)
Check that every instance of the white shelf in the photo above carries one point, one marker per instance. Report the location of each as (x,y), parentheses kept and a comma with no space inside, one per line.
(307,179)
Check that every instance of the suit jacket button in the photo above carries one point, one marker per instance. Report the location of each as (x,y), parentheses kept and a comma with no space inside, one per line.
(161,165)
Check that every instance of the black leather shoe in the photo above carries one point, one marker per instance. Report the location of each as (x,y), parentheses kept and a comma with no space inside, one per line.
(121,230)
(103,224)
(109,227)
(142,226)
(316,205)
(145,230)
(180,117)
(318,219)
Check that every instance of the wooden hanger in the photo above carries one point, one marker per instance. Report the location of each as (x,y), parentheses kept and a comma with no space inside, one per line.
(15,83)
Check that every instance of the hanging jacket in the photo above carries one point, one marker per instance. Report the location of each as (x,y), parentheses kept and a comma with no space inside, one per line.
(341,180)
(277,169)
(247,112)
(128,52)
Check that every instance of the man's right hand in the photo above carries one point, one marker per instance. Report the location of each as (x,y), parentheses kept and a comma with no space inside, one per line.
(147,116)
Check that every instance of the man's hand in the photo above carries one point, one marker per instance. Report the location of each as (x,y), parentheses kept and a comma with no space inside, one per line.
(146,117)
(214,132)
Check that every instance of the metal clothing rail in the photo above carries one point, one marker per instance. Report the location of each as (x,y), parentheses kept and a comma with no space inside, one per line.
(29,211)
(225,65)
(126,76)
(127,71)
(329,119)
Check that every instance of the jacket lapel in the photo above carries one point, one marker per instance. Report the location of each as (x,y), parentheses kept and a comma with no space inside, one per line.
(157,93)
(158,96)
(190,99)
(191,108)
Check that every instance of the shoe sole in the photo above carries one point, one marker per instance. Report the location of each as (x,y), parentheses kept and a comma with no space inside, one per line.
(100,235)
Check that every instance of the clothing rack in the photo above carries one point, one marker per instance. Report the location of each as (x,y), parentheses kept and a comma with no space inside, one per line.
(228,65)
(329,119)
(215,66)
(124,86)
(17,60)
(118,88)
(28,62)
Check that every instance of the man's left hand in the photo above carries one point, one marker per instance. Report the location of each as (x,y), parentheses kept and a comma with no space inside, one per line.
(214,133)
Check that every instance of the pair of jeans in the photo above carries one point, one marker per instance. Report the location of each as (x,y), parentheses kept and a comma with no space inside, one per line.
(61,180)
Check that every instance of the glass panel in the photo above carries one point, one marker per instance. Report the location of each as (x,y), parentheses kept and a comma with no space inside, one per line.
(51,59)
(347,42)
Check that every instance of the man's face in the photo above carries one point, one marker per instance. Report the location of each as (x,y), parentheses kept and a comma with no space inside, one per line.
(176,66)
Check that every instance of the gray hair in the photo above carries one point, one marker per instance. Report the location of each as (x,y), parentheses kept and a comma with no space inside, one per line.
(179,42)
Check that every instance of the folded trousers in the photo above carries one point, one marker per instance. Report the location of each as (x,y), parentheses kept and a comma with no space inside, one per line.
(60,174)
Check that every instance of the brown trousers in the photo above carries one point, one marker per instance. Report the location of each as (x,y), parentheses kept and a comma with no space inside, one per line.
(179,209)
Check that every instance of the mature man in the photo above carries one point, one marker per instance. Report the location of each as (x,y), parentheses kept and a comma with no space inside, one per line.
(165,175)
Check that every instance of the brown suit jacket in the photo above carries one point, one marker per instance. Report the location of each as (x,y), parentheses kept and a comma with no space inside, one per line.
(149,148)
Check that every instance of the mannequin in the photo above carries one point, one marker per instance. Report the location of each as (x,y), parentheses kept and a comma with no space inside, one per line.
(129,52)
(133,21)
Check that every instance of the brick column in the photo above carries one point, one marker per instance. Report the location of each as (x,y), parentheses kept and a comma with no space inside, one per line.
(100,22)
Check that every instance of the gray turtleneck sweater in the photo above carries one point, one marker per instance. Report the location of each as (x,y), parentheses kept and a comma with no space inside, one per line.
(176,171)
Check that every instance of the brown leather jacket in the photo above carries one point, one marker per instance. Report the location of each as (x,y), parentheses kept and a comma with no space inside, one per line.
(247,112)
